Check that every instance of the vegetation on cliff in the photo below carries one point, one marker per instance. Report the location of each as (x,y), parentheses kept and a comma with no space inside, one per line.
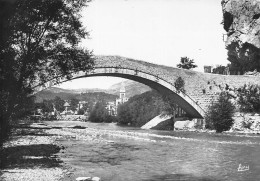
(243,57)
(249,98)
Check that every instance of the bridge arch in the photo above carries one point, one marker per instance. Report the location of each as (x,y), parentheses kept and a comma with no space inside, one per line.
(200,88)
(154,81)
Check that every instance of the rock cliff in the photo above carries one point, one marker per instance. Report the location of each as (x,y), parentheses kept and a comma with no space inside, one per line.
(241,20)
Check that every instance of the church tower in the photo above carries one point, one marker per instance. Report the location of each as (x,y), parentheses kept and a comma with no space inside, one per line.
(122,97)
(122,92)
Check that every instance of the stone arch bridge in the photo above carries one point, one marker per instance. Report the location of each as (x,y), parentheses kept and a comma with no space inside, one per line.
(200,88)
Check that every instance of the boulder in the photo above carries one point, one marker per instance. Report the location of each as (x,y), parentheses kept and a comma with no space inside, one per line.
(88,179)
(95,179)
(83,179)
(182,125)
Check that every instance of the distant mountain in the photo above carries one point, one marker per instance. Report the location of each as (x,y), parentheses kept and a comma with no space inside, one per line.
(132,88)
(84,90)
(96,96)
(52,92)
(64,94)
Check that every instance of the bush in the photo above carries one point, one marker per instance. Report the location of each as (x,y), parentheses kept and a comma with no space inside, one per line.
(179,85)
(99,113)
(140,109)
(219,114)
(81,112)
(249,98)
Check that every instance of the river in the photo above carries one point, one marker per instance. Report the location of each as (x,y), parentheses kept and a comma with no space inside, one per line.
(131,154)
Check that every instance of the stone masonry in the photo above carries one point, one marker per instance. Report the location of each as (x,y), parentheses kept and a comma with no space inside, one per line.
(201,87)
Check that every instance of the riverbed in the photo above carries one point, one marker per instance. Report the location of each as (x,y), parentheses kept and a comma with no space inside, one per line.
(118,153)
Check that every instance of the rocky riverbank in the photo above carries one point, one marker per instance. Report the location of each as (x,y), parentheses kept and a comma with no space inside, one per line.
(34,153)
(31,154)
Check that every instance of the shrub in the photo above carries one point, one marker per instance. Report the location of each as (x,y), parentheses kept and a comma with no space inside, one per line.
(219,114)
(140,109)
(249,98)
(81,112)
(99,113)
(179,85)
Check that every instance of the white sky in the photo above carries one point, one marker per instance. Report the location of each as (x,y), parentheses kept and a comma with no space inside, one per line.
(157,31)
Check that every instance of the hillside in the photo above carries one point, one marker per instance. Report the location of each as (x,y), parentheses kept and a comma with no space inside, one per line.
(65,94)
(52,92)
(96,96)
(132,88)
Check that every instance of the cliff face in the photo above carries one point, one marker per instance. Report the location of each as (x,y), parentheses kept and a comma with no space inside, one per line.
(241,20)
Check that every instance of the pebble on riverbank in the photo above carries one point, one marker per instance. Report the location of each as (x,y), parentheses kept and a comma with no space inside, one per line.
(30,155)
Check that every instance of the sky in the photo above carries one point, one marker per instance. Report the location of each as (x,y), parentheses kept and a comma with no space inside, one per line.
(156,31)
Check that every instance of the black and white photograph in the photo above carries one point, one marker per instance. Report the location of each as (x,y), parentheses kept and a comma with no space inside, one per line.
(130,90)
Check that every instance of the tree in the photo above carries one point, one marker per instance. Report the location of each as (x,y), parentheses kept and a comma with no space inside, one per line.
(179,85)
(186,63)
(124,115)
(219,114)
(99,113)
(169,108)
(249,98)
(140,109)
(39,42)
(243,57)
(59,104)
(74,104)
(220,69)
(47,105)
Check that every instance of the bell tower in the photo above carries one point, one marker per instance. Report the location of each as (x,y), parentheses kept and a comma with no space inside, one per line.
(122,91)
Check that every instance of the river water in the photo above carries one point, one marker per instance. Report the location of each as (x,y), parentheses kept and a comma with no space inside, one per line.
(130,154)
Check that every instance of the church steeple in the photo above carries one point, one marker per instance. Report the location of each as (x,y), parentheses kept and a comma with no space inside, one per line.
(122,91)
(122,97)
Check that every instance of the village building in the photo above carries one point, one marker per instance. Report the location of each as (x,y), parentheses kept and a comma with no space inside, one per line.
(113,106)
(67,111)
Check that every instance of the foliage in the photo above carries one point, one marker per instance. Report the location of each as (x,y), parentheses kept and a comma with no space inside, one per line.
(96,96)
(81,111)
(59,104)
(247,124)
(186,63)
(49,105)
(243,57)
(74,104)
(140,109)
(179,85)
(220,69)
(249,98)
(39,41)
(219,114)
(99,113)
(169,108)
